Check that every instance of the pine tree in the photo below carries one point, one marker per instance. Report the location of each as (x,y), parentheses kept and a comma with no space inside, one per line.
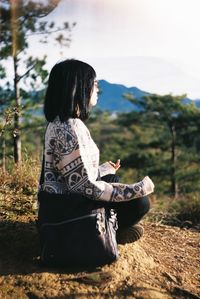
(19,20)
(174,125)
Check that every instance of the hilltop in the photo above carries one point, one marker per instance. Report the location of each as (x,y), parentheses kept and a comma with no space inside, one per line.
(164,264)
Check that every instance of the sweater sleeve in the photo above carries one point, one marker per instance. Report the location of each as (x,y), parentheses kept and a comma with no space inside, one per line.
(106,168)
(76,169)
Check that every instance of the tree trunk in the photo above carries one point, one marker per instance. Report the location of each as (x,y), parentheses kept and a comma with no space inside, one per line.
(3,154)
(174,185)
(16,132)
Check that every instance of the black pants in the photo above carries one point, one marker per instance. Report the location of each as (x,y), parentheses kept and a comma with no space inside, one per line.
(53,208)
(128,212)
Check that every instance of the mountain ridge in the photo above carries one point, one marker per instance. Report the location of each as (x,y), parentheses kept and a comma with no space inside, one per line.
(111,97)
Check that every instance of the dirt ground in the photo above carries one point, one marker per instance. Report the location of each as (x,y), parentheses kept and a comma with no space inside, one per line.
(164,264)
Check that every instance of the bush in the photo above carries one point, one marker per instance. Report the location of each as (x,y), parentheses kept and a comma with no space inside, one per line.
(185,209)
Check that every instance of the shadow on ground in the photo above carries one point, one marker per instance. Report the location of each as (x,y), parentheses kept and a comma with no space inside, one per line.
(19,247)
(19,251)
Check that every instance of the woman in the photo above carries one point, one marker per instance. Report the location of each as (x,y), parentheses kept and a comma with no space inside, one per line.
(71,158)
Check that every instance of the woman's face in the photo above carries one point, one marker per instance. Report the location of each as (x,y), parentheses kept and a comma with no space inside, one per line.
(94,94)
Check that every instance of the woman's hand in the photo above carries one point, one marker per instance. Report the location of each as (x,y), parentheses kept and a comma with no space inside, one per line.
(115,165)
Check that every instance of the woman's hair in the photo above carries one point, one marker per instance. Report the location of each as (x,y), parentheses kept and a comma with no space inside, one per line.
(69,90)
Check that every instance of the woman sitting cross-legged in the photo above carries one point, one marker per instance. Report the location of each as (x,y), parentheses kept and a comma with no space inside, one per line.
(72,181)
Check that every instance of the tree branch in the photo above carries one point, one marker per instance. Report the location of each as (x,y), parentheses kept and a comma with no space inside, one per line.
(26,73)
(47,32)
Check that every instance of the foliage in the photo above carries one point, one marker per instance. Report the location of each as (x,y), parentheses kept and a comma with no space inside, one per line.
(163,131)
(21,19)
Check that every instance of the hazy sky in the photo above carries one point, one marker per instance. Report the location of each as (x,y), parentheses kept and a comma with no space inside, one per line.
(151,44)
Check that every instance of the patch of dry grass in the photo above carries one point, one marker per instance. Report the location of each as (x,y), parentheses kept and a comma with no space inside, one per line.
(21,177)
(18,190)
(183,211)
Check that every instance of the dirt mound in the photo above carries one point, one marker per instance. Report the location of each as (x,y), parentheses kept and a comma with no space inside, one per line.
(164,264)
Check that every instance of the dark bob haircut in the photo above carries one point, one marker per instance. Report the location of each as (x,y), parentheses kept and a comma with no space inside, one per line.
(69,90)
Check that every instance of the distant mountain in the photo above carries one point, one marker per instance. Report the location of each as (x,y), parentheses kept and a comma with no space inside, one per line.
(197,102)
(111,97)
(189,101)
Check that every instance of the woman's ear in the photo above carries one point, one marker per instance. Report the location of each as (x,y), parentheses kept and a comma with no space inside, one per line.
(77,110)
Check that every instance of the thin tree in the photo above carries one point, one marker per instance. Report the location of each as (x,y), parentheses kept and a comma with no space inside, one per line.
(19,21)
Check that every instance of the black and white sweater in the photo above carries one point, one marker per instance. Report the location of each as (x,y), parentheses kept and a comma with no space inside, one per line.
(71,164)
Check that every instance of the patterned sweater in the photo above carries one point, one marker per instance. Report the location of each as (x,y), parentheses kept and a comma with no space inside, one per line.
(71,164)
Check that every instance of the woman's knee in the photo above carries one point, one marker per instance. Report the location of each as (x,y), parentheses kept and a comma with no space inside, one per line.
(131,212)
(143,205)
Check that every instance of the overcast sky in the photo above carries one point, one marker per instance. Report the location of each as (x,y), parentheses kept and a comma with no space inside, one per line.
(151,44)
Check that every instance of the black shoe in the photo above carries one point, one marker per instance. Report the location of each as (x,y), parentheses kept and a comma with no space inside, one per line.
(129,234)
